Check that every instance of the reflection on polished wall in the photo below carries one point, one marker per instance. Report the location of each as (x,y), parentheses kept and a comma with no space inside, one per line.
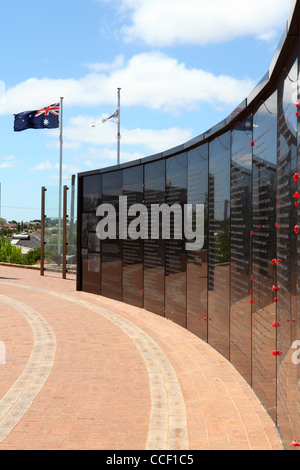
(241,291)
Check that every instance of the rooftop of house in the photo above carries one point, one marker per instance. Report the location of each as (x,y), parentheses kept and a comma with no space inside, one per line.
(28,241)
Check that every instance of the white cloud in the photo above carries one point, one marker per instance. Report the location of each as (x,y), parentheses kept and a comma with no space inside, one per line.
(9,162)
(165,22)
(47,165)
(107,67)
(99,147)
(153,79)
(79,130)
(157,140)
(100,158)
(43,166)
(6,165)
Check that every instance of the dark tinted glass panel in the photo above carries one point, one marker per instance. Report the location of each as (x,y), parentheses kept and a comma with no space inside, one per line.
(90,253)
(176,193)
(241,226)
(154,249)
(197,261)
(264,251)
(219,243)
(287,384)
(133,249)
(296,308)
(112,184)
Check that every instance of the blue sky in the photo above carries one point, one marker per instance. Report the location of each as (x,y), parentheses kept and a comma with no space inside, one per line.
(182,66)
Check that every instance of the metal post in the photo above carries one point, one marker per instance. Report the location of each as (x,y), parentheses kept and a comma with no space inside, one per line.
(60,176)
(42,267)
(65,243)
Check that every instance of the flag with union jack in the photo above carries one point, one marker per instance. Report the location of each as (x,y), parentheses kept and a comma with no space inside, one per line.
(46,118)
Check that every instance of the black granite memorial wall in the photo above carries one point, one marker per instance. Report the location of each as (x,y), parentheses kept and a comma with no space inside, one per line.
(111,252)
(219,243)
(91,245)
(241,227)
(176,259)
(154,248)
(133,249)
(240,290)
(197,260)
(264,199)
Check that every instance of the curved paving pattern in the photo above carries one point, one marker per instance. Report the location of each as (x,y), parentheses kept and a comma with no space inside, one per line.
(22,394)
(124,378)
(168,425)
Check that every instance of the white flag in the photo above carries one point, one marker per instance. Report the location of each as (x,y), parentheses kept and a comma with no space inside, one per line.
(115,117)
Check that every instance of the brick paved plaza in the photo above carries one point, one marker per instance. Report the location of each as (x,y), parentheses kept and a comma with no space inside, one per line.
(86,372)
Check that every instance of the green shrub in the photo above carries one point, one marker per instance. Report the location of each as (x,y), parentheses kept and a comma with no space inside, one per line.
(13,254)
(32,257)
(9,253)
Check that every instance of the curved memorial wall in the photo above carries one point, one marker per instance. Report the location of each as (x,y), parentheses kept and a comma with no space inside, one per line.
(238,288)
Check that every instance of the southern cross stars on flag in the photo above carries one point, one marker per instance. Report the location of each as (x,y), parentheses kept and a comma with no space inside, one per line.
(46,118)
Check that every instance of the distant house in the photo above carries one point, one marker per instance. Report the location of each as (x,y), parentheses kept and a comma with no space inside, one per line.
(10,226)
(26,242)
(39,230)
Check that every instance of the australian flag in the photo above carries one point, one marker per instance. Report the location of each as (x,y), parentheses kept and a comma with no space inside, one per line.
(46,118)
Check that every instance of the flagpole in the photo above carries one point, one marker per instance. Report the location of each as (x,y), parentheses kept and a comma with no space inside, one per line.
(60,175)
(119,126)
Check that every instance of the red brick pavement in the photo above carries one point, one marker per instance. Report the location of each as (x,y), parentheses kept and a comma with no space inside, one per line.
(121,378)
